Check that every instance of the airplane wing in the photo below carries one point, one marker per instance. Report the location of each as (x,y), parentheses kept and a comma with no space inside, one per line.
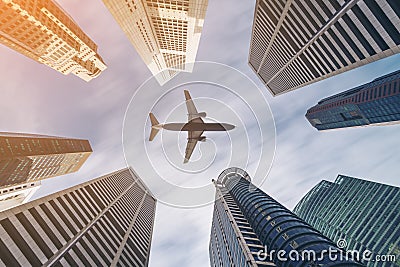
(191,144)
(191,108)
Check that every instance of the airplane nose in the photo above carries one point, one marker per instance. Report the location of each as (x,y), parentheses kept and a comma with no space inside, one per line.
(229,126)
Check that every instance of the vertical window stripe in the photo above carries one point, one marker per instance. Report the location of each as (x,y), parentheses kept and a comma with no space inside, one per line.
(359,35)
(383,20)
(369,27)
(20,242)
(35,235)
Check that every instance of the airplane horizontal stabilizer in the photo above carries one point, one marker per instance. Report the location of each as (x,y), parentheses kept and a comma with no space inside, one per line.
(153,120)
(153,133)
(155,126)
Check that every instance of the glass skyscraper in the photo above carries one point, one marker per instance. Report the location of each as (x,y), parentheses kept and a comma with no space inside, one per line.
(296,43)
(233,241)
(104,222)
(246,221)
(374,103)
(365,214)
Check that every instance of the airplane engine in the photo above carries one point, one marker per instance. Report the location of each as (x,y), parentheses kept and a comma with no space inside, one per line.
(202,139)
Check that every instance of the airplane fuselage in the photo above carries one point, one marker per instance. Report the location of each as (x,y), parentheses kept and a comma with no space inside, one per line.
(194,126)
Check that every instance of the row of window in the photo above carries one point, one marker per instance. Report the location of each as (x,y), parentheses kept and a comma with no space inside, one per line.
(352,38)
(60,220)
(376,92)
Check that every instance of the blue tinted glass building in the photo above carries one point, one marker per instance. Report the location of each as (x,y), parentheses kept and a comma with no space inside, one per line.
(233,241)
(247,220)
(374,103)
(365,214)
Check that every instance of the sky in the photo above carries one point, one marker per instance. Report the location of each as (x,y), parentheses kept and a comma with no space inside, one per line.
(37,99)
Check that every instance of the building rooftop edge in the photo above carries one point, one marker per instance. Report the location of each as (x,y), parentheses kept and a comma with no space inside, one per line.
(357,88)
(232,171)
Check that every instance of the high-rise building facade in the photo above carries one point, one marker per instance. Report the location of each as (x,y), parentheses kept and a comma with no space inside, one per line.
(365,214)
(166,34)
(15,195)
(246,221)
(104,222)
(30,157)
(296,43)
(374,103)
(232,241)
(43,31)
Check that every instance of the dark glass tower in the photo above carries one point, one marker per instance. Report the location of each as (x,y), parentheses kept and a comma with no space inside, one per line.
(233,241)
(374,103)
(365,214)
(296,43)
(246,220)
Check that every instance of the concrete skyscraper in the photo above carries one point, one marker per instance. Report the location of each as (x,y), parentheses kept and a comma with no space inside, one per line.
(246,221)
(15,195)
(104,222)
(166,34)
(365,214)
(43,31)
(29,157)
(374,103)
(295,43)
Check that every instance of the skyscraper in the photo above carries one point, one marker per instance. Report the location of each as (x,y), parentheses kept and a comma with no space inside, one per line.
(363,213)
(15,195)
(29,157)
(296,43)
(374,103)
(246,220)
(104,222)
(44,32)
(166,34)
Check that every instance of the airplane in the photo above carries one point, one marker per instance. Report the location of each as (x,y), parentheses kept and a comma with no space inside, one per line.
(195,126)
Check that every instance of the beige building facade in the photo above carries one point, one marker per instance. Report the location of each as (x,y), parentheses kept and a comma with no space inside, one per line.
(165,33)
(28,158)
(43,31)
(15,195)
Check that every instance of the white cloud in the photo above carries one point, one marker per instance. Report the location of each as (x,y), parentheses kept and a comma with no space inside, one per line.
(36,99)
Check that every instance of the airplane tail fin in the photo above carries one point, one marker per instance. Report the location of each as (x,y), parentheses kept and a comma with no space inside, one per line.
(154,128)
